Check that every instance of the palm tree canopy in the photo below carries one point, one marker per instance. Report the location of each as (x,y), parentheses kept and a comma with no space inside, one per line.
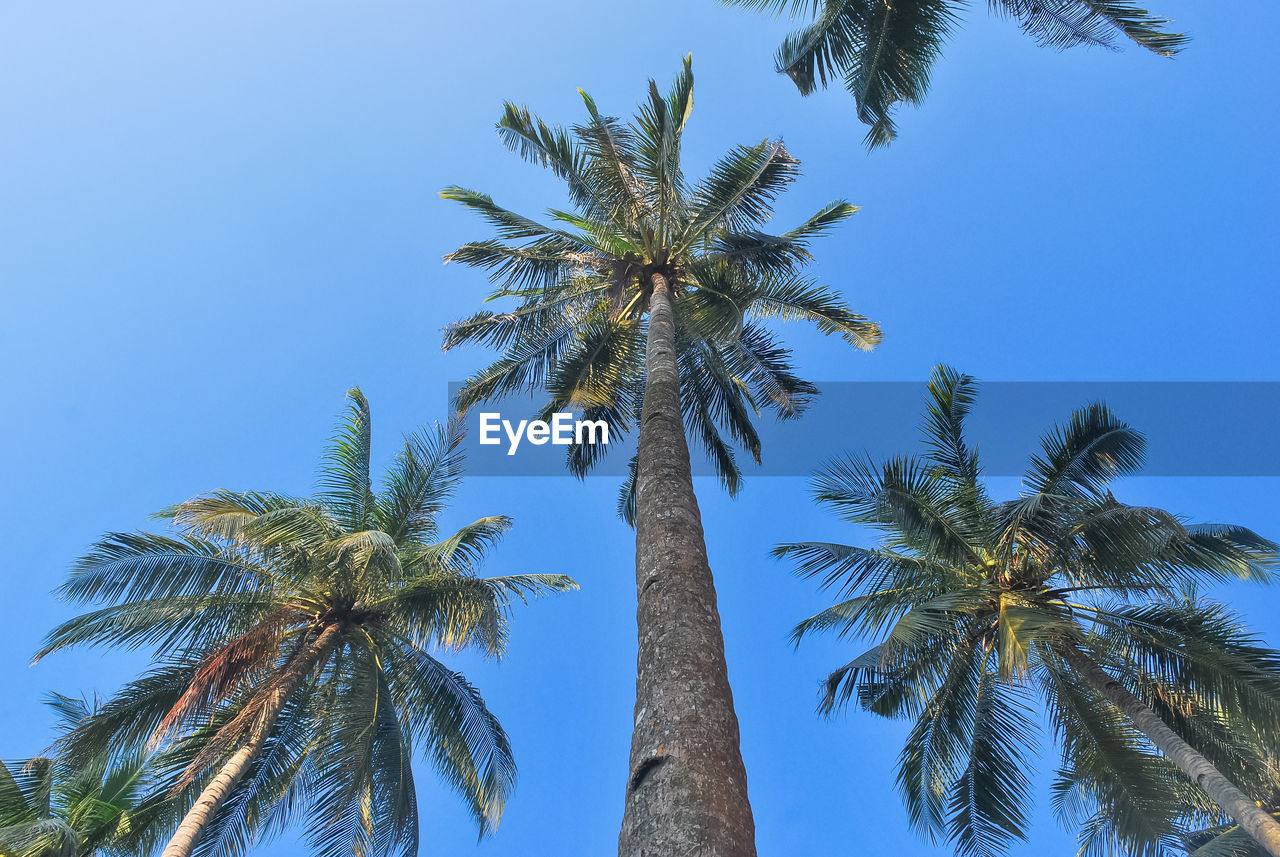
(52,808)
(582,285)
(972,601)
(885,52)
(247,583)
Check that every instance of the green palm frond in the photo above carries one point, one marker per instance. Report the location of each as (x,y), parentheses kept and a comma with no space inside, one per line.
(554,148)
(932,757)
(227,514)
(1093,23)
(422,478)
(511,226)
(1201,649)
(739,191)
(345,481)
(129,566)
(660,124)
(884,52)
(176,623)
(626,506)
(1083,456)
(905,498)
(765,366)
(465,549)
(1110,787)
(988,800)
(951,396)
(361,783)
(801,299)
(613,164)
(448,719)
(816,54)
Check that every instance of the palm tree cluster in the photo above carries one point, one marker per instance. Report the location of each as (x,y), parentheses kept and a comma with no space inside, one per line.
(299,646)
(1166,710)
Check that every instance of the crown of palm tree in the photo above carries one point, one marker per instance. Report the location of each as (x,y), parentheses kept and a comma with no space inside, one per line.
(582,286)
(885,51)
(50,808)
(252,582)
(978,606)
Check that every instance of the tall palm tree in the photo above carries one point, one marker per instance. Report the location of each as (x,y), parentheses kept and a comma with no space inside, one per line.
(977,606)
(51,808)
(643,307)
(885,51)
(298,633)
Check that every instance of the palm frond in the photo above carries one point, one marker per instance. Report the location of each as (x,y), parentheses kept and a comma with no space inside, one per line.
(988,799)
(138,566)
(739,192)
(800,298)
(420,482)
(448,719)
(345,482)
(1081,457)
(1071,23)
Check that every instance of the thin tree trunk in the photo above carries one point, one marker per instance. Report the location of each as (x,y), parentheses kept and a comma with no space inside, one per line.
(202,811)
(687,789)
(1252,819)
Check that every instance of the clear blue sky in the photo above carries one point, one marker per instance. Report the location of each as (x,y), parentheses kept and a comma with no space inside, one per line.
(217,216)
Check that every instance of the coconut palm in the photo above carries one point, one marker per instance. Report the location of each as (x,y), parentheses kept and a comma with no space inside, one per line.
(1064,593)
(644,307)
(50,808)
(298,635)
(885,51)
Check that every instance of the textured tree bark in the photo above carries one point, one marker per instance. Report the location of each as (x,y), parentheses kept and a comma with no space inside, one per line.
(1252,819)
(687,790)
(202,811)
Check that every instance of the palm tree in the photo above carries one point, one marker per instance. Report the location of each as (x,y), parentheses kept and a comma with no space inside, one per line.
(885,50)
(1064,591)
(49,808)
(643,307)
(298,672)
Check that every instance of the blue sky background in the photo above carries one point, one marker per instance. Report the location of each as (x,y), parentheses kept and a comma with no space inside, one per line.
(217,216)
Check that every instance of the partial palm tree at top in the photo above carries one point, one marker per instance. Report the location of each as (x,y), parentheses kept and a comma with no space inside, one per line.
(884,51)
(645,307)
(298,643)
(52,808)
(1065,596)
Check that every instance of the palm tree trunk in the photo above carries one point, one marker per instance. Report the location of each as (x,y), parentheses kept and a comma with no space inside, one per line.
(202,811)
(687,789)
(1252,819)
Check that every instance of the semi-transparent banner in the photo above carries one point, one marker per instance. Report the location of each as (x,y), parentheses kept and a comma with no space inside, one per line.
(1195,428)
